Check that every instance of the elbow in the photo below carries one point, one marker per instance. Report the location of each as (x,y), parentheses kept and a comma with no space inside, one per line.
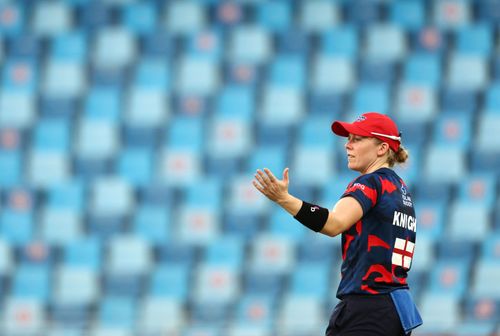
(330,230)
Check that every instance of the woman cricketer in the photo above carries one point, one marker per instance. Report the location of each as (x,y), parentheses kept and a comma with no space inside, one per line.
(376,218)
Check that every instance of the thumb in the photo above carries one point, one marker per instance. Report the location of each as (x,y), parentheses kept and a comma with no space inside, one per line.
(285,175)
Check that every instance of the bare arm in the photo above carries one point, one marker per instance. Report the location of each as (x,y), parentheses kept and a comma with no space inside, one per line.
(346,212)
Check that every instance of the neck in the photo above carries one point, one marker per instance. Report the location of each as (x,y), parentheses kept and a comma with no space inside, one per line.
(374,166)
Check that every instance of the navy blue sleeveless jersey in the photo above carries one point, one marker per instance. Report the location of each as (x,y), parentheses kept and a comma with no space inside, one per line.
(377,251)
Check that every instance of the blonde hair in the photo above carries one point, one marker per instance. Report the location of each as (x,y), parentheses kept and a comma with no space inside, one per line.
(399,157)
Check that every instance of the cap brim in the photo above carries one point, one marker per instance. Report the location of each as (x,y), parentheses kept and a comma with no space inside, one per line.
(344,129)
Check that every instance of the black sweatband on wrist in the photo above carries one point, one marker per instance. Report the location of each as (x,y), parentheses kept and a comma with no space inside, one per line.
(312,216)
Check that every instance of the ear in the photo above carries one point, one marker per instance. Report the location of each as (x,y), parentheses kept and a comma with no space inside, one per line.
(383,149)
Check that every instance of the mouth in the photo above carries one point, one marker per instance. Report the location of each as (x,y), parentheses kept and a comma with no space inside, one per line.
(349,156)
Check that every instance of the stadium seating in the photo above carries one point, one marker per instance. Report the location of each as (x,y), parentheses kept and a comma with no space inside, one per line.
(130,132)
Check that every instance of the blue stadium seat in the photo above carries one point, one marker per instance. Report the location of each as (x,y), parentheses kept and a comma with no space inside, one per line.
(453,171)
(206,44)
(68,195)
(452,15)
(479,188)
(15,307)
(198,225)
(76,286)
(96,139)
(467,72)
(114,48)
(255,310)
(50,19)
(317,16)
(491,247)
(153,73)
(463,215)
(306,158)
(152,312)
(20,75)
(488,124)
(310,280)
(60,226)
(449,277)
(103,104)
(301,315)
(85,253)
(185,17)
(453,129)
(424,69)
(117,312)
(487,275)
(147,107)
(342,41)
(14,19)
(429,40)
(17,227)
(482,309)
(281,223)
(197,76)
(264,284)
(415,102)
(282,106)
(431,217)
(272,253)
(371,97)
(385,43)
(52,135)
(275,16)
(32,282)
(225,251)
(332,75)
(288,71)
(440,311)
(250,44)
(176,252)
(152,223)
(46,168)
(409,15)
(11,162)
(129,255)
(475,40)
(136,166)
(111,196)
(141,18)
(463,101)
(17,109)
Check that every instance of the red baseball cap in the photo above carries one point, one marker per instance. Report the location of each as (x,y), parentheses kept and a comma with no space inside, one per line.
(371,124)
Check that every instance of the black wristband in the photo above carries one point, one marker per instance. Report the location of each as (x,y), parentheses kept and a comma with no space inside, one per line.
(312,216)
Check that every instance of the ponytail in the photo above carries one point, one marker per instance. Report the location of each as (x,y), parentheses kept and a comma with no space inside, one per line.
(398,157)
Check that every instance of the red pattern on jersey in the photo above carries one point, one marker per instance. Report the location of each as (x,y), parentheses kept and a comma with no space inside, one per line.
(387,186)
(348,239)
(367,191)
(385,277)
(374,241)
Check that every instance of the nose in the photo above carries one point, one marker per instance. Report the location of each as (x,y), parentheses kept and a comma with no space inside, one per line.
(348,144)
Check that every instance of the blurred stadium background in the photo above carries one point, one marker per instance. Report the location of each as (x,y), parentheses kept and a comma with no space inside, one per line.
(130,132)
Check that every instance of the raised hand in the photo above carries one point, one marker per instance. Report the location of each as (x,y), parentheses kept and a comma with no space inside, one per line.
(271,187)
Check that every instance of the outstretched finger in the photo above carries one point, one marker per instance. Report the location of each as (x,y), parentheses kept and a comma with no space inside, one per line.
(270,174)
(263,178)
(258,186)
